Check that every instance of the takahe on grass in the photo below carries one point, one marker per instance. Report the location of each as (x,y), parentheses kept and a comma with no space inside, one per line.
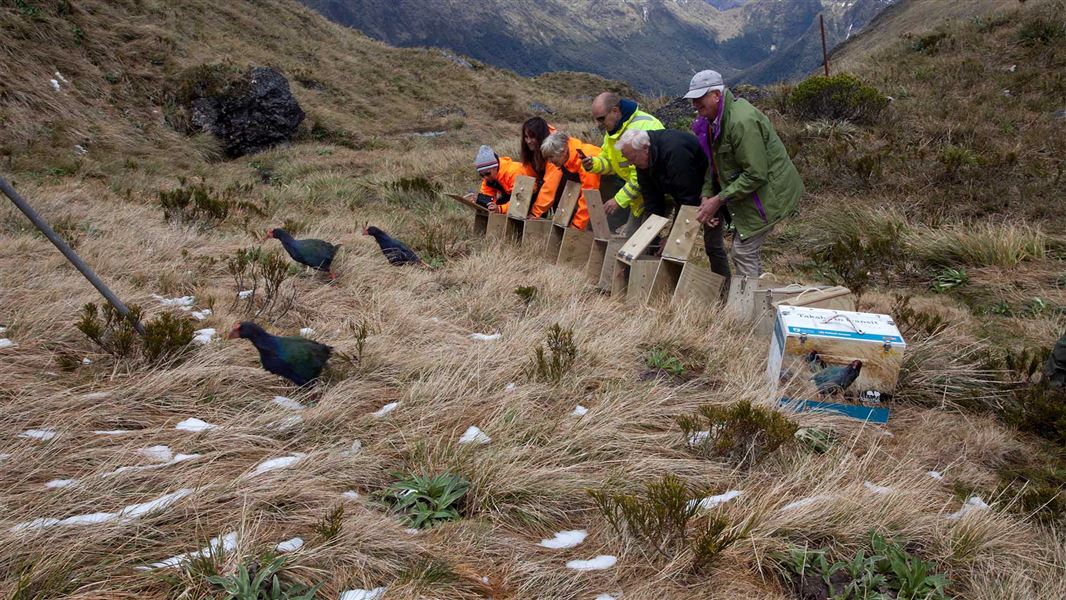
(317,254)
(837,378)
(396,251)
(297,359)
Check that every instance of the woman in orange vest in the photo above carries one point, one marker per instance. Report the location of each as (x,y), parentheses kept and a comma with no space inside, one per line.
(534,131)
(497,178)
(564,155)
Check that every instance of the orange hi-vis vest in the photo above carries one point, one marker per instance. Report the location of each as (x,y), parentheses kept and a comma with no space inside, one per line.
(555,179)
(503,185)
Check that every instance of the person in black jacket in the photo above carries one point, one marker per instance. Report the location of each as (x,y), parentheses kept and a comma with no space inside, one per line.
(671,162)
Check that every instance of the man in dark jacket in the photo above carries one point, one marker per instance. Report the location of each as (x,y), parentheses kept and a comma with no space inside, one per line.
(671,162)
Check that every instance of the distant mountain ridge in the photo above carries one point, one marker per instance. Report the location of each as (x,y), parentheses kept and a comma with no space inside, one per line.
(656,45)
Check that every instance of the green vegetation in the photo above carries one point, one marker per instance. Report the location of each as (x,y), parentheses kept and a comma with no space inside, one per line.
(838,97)
(740,433)
(260,582)
(166,337)
(551,363)
(426,500)
(661,359)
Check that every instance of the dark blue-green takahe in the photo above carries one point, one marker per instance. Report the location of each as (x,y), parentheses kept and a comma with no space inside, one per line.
(396,251)
(837,378)
(317,254)
(297,359)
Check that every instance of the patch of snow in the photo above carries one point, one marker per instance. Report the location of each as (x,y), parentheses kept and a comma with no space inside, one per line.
(384,410)
(353,449)
(204,336)
(3,329)
(935,475)
(290,545)
(411,531)
(55,84)
(200,315)
(111,431)
(39,434)
(245,293)
(565,539)
(698,438)
(178,458)
(86,361)
(128,513)
(509,387)
(195,425)
(157,453)
(226,543)
(80,150)
(474,435)
(61,483)
(603,561)
(284,402)
(974,503)
(373,594)
(182,301)
(4,457)
(350,495)
(287,423)
(485,579)
(96,396)
(605,597)
(307,332)
(877,489)
(802,502)
(580,411)
(482,337)
(60,77)
(6,343)
(712,501)
(273,464)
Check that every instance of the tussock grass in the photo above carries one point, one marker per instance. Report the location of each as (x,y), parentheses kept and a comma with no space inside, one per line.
(985,244)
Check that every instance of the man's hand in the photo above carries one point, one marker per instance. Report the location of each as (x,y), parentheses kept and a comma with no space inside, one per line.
(586,161)
(610,206)
(708,209)
(493,207)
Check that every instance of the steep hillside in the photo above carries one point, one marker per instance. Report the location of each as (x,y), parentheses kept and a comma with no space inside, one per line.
(653,44)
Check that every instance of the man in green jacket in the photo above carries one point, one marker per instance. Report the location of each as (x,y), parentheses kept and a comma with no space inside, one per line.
(614,116)
(750,173)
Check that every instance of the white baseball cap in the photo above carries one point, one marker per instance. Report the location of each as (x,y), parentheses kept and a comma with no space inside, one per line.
(702,83)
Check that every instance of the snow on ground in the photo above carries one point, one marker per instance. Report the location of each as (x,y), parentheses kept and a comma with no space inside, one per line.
(484,337)
(290,545)
(384,410)
(474,435)
(38,434)
(350,495)
(200,315)
(935,475)
(111,431)
(6,343)
(565,539)
(157,453)
(698,437)
(712,501)
(973,504)
(182,301)
(128,513)
(226,543)
(307,332)
(195,425)
(580,411)
(281,462)
(603,561)
(244,294)
(204,336)
(284,402)
(803,502)
(373,594)
(509,388)
(61,483)
(877,489)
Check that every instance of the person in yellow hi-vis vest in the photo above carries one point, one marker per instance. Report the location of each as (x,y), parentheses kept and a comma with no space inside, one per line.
(614,116)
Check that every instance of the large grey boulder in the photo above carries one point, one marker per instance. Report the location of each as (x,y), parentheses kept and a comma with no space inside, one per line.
(250,114)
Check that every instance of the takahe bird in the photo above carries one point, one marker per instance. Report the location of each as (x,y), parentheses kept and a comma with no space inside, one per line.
(297,359)
(396,251)
(317,254)
(814,362)
(837,378)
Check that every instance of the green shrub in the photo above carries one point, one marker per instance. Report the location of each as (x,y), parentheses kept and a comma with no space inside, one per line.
(200,205)
(741,434)
(265,275)
(855,249)
(167,336)
(930,43)
(424,500)
(1042,31)
(948,279)
(911,321)
(660,517)
(837,97)
(260,582)
(659,358)
(331,523)
(552,363)
(1040,411)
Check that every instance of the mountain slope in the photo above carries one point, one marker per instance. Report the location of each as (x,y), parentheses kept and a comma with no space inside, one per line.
(654,44)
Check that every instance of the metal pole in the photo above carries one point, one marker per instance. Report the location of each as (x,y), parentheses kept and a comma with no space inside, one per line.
(68,252)
(825,52)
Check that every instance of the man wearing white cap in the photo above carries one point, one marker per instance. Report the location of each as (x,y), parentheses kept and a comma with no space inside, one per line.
(750,173)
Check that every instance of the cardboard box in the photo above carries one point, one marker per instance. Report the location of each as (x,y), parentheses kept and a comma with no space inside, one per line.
(838,338)
(767,301)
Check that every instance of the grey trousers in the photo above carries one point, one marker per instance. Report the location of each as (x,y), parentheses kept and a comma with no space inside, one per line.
(747,254)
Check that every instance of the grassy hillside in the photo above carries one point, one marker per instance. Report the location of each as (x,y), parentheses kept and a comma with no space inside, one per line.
(593,407)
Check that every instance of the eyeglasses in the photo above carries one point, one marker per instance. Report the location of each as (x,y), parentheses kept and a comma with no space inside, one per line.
(600,118)
(484,174)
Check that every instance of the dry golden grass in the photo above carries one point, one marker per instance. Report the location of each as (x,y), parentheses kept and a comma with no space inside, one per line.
(530,481)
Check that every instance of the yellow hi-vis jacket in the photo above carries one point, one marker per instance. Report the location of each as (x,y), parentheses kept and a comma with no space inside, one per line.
(611,160)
